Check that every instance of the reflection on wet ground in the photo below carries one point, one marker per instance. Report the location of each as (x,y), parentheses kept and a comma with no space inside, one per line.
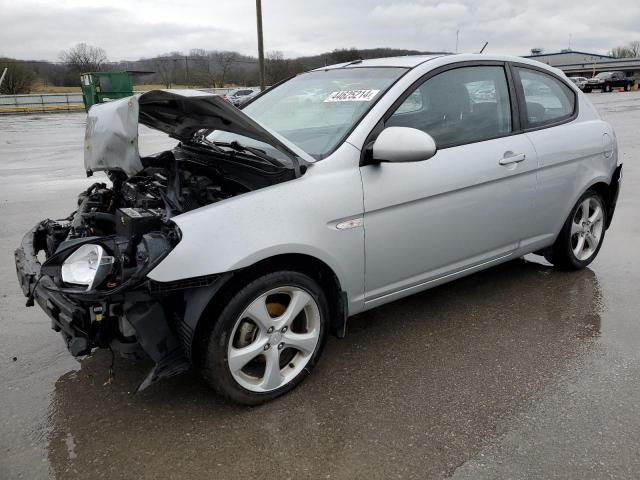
(428,376)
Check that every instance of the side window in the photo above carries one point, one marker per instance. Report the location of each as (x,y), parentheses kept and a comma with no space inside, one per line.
(413,103)
(461,105)
(547,100)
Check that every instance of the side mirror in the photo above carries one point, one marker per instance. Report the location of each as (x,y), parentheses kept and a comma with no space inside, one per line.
(403,144)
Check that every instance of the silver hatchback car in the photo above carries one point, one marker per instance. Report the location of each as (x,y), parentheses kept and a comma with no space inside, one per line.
(265,228)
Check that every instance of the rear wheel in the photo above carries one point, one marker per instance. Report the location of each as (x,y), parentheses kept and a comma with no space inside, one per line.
(582,234)
(267,338)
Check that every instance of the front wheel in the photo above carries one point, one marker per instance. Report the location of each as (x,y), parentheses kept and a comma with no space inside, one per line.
(582,234)
(627,87)
(267,338)
(607,88)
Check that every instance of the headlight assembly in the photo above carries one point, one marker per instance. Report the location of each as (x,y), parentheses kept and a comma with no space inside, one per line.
(88,265)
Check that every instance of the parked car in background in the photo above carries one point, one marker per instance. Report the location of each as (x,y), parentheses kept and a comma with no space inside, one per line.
(238,251)
(238,96)
(247,98)
(607,81)
(579,82)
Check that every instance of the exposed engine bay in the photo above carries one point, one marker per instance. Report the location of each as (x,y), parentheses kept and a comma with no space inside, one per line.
(126,228)
(93,281)
(172,182)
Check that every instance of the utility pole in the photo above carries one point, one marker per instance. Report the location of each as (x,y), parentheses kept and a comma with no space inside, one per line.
(260,45)
(186,68)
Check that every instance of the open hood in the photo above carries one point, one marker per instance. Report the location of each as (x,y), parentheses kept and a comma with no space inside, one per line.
(111,137)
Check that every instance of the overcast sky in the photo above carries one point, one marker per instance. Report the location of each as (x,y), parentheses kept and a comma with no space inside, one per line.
(128,30)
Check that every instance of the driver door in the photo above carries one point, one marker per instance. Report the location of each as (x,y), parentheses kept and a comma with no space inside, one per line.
(468,206)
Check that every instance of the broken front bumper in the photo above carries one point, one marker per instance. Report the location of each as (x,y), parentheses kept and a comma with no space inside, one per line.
(84,329)
(67,317)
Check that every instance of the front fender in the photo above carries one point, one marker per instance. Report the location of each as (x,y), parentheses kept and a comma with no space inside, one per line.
(298,216)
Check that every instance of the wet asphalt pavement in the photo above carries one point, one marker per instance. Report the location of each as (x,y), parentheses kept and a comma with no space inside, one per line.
(517,372)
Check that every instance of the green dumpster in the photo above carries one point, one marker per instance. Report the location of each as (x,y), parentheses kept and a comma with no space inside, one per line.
(99,87)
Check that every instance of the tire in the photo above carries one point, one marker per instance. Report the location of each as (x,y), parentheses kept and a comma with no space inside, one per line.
(587,90)
(607,88)
(258,329)
(579,242)
(627,87)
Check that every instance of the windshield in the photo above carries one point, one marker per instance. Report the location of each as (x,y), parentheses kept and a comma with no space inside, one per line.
(316,109)
(603,75)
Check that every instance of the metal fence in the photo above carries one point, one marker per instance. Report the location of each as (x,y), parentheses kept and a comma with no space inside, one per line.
(33,103)
(56,102)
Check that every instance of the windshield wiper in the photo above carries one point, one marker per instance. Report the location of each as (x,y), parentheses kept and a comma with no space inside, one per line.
(256,152)
(202,139)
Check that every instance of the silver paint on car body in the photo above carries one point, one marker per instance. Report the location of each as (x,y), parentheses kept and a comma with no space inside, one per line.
(403,144)
(424,222)
(295,217)
(111,137)
(457,209)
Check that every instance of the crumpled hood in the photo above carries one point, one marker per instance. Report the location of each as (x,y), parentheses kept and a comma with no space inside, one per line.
(111,136)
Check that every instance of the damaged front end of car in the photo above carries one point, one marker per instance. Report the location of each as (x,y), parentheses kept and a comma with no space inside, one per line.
(93,281)
(95,291)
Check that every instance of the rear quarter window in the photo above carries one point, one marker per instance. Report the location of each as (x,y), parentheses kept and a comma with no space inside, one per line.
(546,99)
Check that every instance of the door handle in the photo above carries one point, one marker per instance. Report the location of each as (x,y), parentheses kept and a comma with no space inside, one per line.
(508,160)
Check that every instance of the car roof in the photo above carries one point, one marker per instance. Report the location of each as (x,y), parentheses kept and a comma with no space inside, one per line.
(406,61)
(413,61)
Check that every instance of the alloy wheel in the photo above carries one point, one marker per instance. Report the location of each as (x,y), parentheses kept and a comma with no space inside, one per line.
(587,228)
(274,338)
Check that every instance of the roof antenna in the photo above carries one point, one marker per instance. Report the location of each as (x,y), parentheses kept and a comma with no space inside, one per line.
(483,47)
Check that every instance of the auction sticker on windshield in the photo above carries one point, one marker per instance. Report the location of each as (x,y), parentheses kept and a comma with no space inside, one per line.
(351,96)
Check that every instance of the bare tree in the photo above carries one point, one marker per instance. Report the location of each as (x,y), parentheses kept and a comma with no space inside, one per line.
(225,61)
(19,78)
(277,68)
(84,58)
(200,67)
(341,55)
(165,67)
(628,51)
